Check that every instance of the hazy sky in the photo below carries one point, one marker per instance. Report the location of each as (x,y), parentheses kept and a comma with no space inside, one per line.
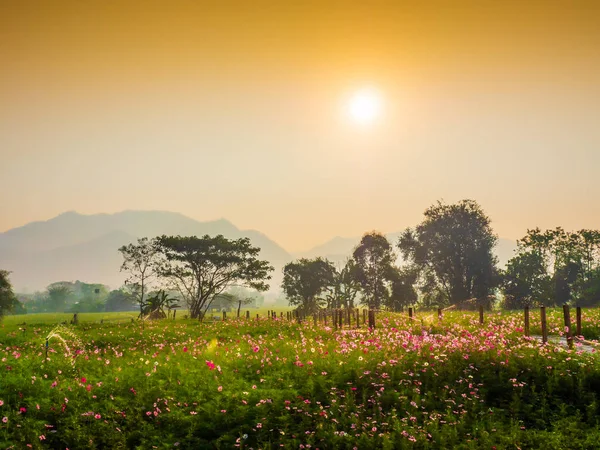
(239,110)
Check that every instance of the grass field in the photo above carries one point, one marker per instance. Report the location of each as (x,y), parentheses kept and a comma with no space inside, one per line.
(265,384)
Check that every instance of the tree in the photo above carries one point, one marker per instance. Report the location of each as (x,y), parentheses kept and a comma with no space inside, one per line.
(403,293)
(345,288)
(58,297)
(139,261)
(305,281)
(119,300)
(452,252)
(374,259)
(156,304)
(525,282)
(201,268)
(571,260)
(8,300)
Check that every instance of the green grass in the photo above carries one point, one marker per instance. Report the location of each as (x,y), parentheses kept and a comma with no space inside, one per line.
(266,384)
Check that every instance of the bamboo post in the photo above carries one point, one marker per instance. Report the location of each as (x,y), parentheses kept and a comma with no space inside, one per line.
(544,325)
(480,314)
(567,316)
(527,321)
(578,316)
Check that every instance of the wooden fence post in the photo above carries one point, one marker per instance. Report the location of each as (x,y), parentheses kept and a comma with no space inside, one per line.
(544,325)
(357,314)
(75,319)
(341,318)
(567,316)
(527,321)
(578,312)
(410,313)
(371,319)
(365,316)
(247,314)
(174,313)
(224,316)
(480,314)
(439,314)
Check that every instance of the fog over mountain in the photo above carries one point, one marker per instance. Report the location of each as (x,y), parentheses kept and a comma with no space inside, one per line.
(74,246)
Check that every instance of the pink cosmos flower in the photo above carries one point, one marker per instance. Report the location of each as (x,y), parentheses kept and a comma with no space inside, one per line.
(4,419)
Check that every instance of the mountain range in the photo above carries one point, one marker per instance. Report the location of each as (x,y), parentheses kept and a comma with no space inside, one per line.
(73,246)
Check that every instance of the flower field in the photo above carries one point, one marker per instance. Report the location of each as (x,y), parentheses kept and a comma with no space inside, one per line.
(270,383)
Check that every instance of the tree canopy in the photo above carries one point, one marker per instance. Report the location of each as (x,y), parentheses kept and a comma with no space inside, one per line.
(452,251)
(202,267)
(8,300)
(305,282)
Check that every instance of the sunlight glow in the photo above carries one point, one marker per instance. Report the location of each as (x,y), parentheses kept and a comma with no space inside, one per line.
(365,106)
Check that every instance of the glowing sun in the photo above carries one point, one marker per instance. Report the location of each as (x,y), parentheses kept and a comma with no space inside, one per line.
(365,106)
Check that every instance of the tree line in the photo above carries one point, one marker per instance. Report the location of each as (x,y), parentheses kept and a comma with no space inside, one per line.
(447,259)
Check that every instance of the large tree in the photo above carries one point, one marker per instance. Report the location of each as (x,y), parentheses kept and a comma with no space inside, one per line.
(452,250)
(58,297)
(139,262)
(403,293)
(525,282)
(374,259)
(202,268)
(8,300)
(569,262)
(305,282)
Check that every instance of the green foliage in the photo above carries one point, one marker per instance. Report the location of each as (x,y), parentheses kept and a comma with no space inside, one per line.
(305,282)
(120,300)
(452,250)
(158,302)
(556,267)
(374,259)
(403,293)
(202,268)
(525,281)
(8,300)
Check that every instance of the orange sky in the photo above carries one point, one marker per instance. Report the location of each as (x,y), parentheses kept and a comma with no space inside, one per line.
(236,110)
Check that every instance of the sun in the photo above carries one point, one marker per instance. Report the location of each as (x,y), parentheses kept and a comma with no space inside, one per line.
(365,106)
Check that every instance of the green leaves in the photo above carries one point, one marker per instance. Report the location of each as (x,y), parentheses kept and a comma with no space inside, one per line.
(202,268)
(452,251)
